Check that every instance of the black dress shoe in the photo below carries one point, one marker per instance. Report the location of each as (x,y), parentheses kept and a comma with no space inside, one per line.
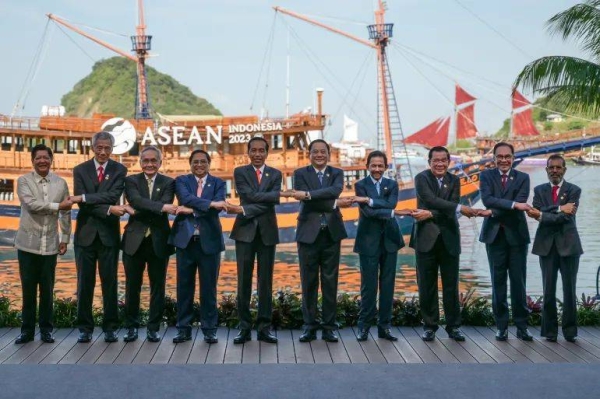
(523,334)
(363,335)
(243,336)
(570,339)
(308,335)
(84,337)
(386,333)
(23,338)
(502,335)
(551,339)
(266,336)
(456,334)
(132,335)
(211,337)
(428,335)
(182,336)
(329,336)
(47,337)
(110,336)
(153,336)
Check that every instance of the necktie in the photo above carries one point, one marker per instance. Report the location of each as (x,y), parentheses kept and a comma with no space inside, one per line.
(504,178)
(320,176)
(440,183)
(555,194)
(258,175)
(199,192)
(378,187)
(100,174)
(147,234)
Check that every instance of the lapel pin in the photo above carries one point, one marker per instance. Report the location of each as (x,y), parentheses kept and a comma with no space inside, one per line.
(385,188)
(563,197)
(511,178)
(106,177)
(327,174)
(266,174)
(158,189)
(208,185)
(445,186)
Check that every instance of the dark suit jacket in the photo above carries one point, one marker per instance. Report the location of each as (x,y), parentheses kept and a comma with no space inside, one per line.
(377,223)
(321,202)
(92,217)
(499,201)
(258,201)
(556,227)
(148,213)
(442,202)
(205,217)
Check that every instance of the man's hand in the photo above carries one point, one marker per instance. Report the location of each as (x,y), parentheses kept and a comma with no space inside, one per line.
(484,212)
(129,209)
(62,248)
(534,213)
(361,200)
(287,194)
(404,212)
(184,210)
(569,209)
(170,209)
(65,204)
(76,199)
(344,202)
(299,195)
(117,210)
(421,214)
(234,209)
(521,206)
(219,205)
(468,211)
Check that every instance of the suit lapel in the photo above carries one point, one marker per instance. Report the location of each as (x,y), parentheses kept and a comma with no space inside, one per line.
(265,177)
(563,190)
(158,181)
(435,183)
(143,185)
(93,174)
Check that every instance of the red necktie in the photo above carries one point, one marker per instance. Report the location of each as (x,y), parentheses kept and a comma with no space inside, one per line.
(504,178)
(258,175)
(100,174)
(555,194)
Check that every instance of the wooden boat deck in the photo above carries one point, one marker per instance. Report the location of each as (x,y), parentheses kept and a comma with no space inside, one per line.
(480,347)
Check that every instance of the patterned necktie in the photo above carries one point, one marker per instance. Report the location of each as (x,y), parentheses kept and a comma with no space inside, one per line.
(440,181)
(378,187)
(150,187)
(320,176)
(199,192)
(100,174)
(555,194)
(504,178)
(258,175)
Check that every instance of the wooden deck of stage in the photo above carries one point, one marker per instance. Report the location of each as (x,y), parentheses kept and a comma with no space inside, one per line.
(480,347)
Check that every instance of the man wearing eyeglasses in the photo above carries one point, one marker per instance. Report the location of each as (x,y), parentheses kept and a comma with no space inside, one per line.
(504,192)
(151,195)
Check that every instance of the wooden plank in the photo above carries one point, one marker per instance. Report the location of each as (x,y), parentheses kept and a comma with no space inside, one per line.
(97,349)
(405,349)
(460,350)
(436,345)
(552,356)
(320,351)
(21,352)
(216,352)
(165,347)
(285,347)
(302,349)
(43,350)
(251,352)
(388,350)
(10,348)
(567,349)
(592,331)
(233,352)
(78,350)
(505,346)
(353,348)
(4,330)
(495,354)
(131,349)
(146,352)
(183,351)
(63,348)
(9,338)
(420,347)
(113,350)
(371,350)
(199,348)
(338,352)
(268,353)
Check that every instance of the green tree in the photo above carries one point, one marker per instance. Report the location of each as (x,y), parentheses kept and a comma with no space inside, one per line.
(570,82)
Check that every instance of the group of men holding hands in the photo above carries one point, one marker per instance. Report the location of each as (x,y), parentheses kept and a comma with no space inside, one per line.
(196,238)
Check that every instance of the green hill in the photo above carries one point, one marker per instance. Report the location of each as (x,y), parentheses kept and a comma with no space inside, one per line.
(111,88)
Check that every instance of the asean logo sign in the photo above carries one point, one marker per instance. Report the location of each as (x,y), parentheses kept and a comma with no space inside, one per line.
(123,132)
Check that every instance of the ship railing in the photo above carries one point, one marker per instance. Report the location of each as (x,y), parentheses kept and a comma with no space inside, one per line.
(25,123)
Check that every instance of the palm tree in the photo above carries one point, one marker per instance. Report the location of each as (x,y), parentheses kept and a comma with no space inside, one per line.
(570,82)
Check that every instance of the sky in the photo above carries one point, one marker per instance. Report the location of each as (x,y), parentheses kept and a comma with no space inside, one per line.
(234,53)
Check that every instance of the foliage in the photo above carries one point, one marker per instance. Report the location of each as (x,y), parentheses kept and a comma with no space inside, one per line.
(287,310)
(170,311)
(575,125)
(535,310)
(588,313)
(65,312)
(111,88)
(348,308)
(406,312)
(475,311)
(228,315)
(8,316)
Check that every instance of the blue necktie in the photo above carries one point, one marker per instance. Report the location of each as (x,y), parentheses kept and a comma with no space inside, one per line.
(323,218)
(378,187)
(320,176)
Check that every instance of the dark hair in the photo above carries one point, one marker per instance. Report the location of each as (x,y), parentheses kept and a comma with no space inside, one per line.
(258,138)
(310,146)
(199,152)
(505,144)
(438,148)
(375,154)
(554,157)
(40,147)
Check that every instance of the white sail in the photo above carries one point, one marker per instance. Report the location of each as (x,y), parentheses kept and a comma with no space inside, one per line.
(350,130)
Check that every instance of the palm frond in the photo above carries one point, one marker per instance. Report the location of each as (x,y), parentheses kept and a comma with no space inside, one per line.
(580,23)
(572,82)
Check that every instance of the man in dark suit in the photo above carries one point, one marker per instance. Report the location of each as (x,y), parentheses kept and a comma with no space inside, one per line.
(436,240)
(319,234)
(558,245)
(151,195)
(378,240)
(98,185)
(504,192)
(255,233)
(198,238)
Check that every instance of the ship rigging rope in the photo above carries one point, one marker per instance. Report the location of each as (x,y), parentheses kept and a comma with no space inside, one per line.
(75,43)
(330,18)
(108,32)
(268,52)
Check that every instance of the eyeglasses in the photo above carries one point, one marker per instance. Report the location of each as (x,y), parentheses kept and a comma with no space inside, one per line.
(505,157)
(150,161)
(439,161)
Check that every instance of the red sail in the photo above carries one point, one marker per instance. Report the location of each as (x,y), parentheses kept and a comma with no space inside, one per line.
(434,134)
(518,100)
(462,96)
(465,123)
(522,124)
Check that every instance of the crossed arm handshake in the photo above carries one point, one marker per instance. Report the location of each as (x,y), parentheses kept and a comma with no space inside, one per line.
(567,209)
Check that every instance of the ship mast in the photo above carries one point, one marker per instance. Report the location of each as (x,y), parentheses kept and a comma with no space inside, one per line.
(141,45)
(379,34)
